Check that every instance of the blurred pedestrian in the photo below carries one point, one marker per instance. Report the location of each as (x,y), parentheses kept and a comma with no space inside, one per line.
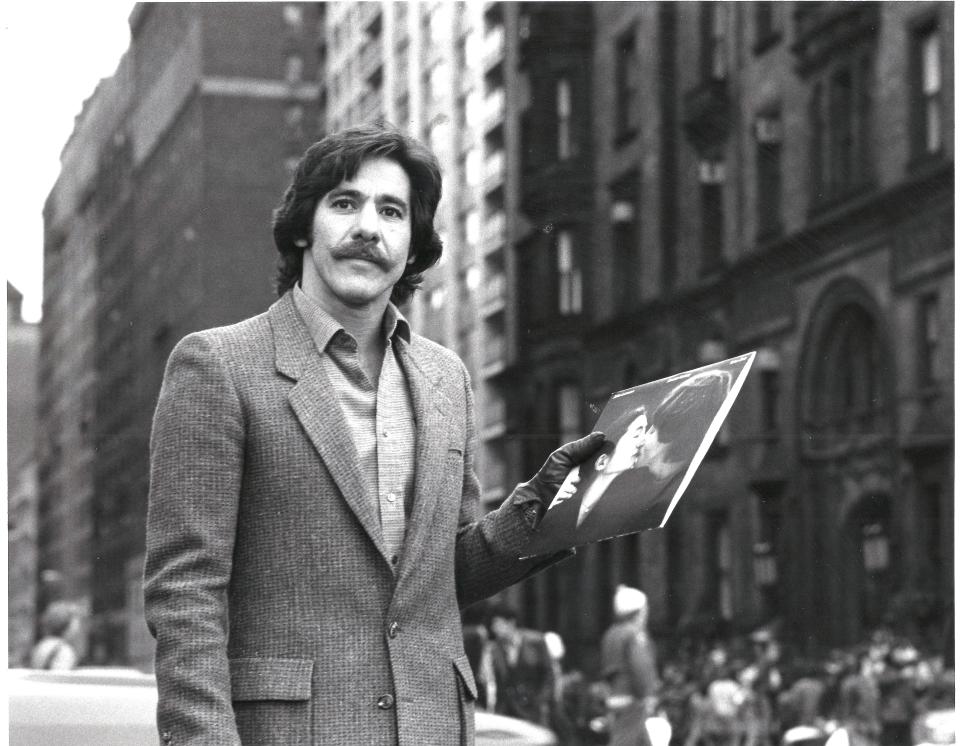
(676,691)
(767,654)
(629,666)
(57,648)
(755,715)
(314,519)
(562,720)
(522,666)
(897,696)
(859,707)
(476,644)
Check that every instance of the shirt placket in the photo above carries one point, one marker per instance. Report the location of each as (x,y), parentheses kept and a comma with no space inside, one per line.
(390,447)
(358,400)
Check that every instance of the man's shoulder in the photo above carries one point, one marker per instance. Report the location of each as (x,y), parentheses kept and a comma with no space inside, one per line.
(427,352)
(243,338)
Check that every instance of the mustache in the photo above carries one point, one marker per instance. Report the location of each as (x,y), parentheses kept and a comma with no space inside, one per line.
(365,250)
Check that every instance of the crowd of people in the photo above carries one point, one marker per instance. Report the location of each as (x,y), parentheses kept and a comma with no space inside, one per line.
(748,690)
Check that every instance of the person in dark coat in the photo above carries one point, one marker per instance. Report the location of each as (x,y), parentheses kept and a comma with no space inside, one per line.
(523,668)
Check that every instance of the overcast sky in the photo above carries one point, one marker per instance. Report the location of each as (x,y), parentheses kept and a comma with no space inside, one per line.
(52,56)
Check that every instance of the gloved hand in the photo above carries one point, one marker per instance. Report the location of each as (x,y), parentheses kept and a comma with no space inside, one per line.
(535,495)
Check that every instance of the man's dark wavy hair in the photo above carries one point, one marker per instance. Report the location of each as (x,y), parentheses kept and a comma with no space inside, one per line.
(686,412)
(338,157)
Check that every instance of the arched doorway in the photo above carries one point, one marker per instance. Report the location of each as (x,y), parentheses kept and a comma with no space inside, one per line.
(847,457)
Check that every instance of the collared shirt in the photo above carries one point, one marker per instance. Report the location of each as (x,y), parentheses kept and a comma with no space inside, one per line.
(379,413)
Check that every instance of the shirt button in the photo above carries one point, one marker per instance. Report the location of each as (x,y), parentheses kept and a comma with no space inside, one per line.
(385,702)
(394,559)
(391,497)
(384,433)
(393,630)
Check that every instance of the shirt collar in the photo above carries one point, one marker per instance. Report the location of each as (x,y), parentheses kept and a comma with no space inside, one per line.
(395,324)
(323,327)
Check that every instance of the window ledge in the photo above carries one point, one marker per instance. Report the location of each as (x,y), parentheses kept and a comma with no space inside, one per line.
(826,204)
(919,163)
(769,233)
(624,136)
(713,267)
(764,43)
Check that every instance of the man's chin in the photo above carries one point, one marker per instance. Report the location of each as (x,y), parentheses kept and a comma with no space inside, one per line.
(360,299)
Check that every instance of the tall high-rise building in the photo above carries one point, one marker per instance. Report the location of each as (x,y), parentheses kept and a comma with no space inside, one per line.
(439,71)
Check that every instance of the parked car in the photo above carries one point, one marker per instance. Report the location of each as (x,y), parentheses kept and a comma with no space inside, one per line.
(117,707)
(935,728)
(107,706)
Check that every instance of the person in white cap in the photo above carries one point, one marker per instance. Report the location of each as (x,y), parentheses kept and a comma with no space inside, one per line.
(630,669)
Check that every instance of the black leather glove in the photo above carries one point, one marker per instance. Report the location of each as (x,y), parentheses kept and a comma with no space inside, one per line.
(535,495)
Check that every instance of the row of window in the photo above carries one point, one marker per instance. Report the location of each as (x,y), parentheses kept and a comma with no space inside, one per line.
(839,116)
(849,390)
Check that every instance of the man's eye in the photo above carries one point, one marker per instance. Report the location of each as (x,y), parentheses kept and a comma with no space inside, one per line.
(392,212)
(342,203)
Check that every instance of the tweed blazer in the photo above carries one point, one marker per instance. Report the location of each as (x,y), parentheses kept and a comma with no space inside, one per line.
(277,616)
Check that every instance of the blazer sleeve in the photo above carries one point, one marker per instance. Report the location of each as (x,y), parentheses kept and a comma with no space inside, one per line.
(196,463)
(488,546)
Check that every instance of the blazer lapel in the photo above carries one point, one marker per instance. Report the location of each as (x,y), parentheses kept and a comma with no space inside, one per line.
(431,409)
(315,403)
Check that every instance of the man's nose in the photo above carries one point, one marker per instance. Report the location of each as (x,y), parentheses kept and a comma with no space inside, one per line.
(368,222)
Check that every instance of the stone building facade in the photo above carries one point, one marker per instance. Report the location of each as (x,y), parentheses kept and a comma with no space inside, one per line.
(725,177)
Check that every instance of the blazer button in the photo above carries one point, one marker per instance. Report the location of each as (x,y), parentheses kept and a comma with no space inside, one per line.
(385,702)
(166,737)
(393,630)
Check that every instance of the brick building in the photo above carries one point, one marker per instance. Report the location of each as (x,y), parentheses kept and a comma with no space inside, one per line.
(724,177)
(159,225)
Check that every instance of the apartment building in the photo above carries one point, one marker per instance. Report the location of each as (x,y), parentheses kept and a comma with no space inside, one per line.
(158,225)
(705,179)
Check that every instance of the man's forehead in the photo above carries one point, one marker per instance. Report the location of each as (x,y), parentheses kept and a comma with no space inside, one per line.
(380,167)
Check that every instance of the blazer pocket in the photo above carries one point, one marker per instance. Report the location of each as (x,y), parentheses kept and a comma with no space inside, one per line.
(259,679)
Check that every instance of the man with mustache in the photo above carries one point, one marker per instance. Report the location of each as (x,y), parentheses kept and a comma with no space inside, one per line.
(314,522)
